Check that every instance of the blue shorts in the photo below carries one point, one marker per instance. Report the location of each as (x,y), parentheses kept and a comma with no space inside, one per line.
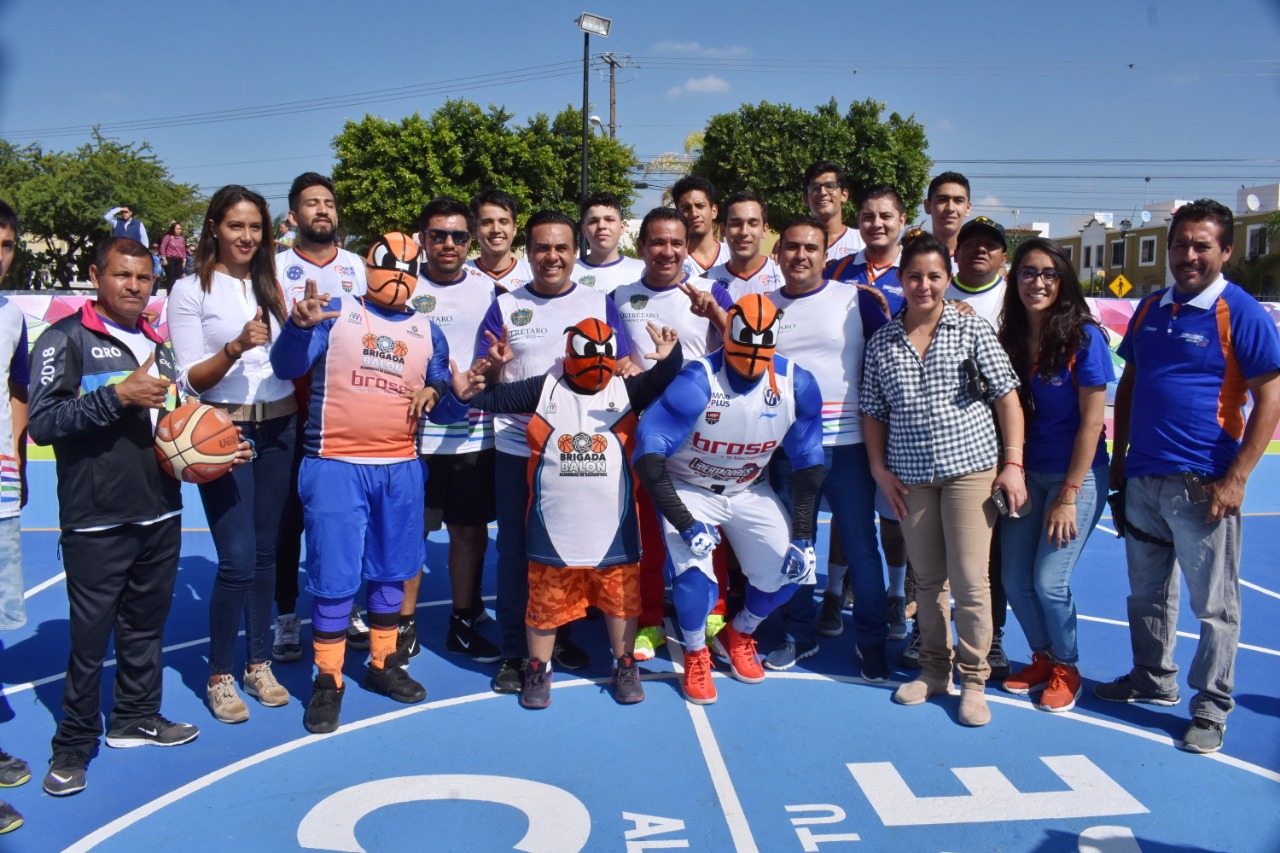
(362,521)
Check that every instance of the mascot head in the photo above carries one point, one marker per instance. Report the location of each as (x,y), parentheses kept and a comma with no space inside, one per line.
(590,354)
(751,336)
(392,270)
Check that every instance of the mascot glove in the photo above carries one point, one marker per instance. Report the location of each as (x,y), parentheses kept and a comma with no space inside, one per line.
(801,562)
(702,538)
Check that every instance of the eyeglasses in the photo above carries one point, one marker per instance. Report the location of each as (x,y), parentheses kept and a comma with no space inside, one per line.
(438,236)
(1028,275)
(829,186)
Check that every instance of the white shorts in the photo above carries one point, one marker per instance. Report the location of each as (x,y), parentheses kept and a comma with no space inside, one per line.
(755,523)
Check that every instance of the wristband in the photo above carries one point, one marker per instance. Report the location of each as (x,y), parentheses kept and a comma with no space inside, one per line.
(227,352)
(1016,465)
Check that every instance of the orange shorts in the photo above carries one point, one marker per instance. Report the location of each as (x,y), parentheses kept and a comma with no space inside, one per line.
(558,596)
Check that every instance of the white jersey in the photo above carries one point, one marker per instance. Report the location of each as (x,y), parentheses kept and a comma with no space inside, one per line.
(535,331)
(638,303)
(517,274)
(341,275)
(697,270)
(457,308)
(605,278)
(988,304)
(731,445)
(13,368)
(822,332)
(765,279)
(847,243)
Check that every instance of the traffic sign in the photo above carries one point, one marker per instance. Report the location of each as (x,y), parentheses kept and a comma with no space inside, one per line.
(1120,286)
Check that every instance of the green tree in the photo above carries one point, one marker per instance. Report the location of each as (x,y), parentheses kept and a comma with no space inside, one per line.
(766,148)
(387,170)
(61,196)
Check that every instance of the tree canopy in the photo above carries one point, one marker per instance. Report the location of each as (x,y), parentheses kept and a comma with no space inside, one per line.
(766,148)
(61,196)
(387,170)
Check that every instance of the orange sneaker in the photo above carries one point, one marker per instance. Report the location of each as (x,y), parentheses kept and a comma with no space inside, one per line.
(1063,690)
(740,649)
(1030,678)
(698,686)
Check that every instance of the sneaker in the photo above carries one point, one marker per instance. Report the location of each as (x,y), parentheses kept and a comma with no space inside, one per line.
(715,624)
(740,650)
(699,687)
(225,702)
(569,655)
(152,731)
(789,653)
(830,622)
(1031,678)
(910,657)
(1124,690)
(537,685)
(407,639)
(464,639)
(1063,690)
(897,618)
(1203,737)
(13,771)
(66,773)
(392,679)
(510,677)
(325,705)
(648,640)
(996,658)
(875,663)
(261,684)
(846,595)
(357,631)
(286,647)
(9,817)
(627,688)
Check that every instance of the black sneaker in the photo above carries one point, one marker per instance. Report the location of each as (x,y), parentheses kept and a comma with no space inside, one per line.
(997,659)
(66,773)
(910,657)
(152,731)
(407,639)
(324,706)
(9,817)
(627,688)
(1204,736)
(392,679)
(846,595)
(537,685)
(510,677)
(875,663)
(464,639)
(357,631)
(13,771)
(569,655)
(1124,690)
(830,622)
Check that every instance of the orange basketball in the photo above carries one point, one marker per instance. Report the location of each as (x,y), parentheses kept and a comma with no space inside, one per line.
(565,443)
(599,443)
(196,443)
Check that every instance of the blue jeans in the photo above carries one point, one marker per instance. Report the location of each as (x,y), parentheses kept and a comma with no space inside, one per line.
(1037,573)
(244,508)
(511,478)
(13,609)
(1208,555)
(850,492)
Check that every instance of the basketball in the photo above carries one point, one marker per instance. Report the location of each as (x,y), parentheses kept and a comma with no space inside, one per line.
(565,444)
(599,443)
(196,443)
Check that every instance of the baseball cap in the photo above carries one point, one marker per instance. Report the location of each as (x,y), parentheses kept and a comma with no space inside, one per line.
(982,225)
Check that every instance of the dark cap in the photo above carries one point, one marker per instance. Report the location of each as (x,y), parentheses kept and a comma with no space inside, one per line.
(983,225)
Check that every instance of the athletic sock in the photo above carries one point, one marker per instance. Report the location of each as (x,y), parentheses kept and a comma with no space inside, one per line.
(382,642)
(746,622)
(406,621)
(835,577)
(695,640)
(898,581)
(329,657)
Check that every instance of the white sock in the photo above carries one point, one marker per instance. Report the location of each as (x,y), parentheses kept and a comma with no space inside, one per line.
(746,622)
(695,641)
(835,577)
(898,581)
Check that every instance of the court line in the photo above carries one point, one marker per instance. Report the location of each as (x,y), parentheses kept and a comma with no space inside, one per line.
(41,587)
(1187,634)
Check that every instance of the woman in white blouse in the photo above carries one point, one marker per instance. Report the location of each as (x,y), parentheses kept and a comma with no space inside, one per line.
(222,320)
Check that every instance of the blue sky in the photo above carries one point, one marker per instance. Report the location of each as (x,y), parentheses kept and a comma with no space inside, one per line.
(1050,109)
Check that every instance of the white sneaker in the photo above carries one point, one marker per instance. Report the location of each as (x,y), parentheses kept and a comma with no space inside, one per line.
(357,631)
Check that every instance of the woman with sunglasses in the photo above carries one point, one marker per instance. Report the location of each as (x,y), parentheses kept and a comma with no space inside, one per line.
(1060,354)
(931,380)
(222,320)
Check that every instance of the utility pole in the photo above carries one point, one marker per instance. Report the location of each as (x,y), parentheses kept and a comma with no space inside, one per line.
(613,95)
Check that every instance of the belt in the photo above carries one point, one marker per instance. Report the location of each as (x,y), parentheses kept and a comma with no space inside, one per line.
(257,412)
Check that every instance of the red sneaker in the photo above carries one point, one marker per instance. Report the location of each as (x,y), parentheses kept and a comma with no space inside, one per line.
(698,686)
(740,649)
(1030,678)
(1063,690)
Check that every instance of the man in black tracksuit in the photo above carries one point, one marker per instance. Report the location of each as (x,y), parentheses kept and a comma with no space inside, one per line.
(100,379)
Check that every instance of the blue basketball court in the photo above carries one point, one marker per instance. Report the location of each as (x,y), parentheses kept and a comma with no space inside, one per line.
(810,760)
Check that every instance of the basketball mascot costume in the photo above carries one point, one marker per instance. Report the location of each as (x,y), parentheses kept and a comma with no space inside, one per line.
(375,365)
(703,454)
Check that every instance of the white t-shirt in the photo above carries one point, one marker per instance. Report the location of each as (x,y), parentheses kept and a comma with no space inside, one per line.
(517,274)
(987,303)
(639,304)
(13,342)
(607,277)
(342,274)
(697,270)
(764,279)
(846,244)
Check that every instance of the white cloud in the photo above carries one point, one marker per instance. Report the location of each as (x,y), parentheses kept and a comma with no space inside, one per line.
(693,48)
(943,124)
(708,85)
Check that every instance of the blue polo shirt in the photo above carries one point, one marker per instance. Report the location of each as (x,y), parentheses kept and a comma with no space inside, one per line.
(853,269)
(1052,431)
(1192,360)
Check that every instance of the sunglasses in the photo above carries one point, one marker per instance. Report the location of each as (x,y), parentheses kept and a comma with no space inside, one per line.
(438,236)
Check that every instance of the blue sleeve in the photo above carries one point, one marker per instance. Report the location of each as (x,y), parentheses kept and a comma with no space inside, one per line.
(1125,350)
(19,370)
(438,369)
(721,294)
(614,319)
(1093,359)
(297,349)
(803,441)
(873,317)
(1253,338)
(669,421)
(492,323)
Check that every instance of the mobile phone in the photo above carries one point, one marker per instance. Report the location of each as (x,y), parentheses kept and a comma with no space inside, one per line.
(1001,501)
(1195,488)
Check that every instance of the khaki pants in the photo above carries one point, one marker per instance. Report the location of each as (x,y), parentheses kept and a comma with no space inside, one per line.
(948,533)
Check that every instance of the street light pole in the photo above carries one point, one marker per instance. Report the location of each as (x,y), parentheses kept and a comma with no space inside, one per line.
(589,24)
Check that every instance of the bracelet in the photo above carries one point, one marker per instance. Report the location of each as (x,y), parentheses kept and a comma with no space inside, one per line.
(1075,487)
(1066,503)
(227,352)
(1019,449)
(1016,465)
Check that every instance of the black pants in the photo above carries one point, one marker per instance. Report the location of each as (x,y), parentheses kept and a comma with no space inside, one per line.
(119,579)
